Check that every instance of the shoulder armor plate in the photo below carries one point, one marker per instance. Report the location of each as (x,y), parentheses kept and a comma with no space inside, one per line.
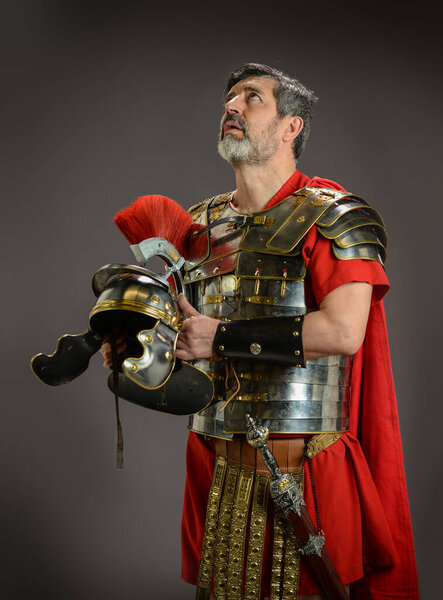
(355,229)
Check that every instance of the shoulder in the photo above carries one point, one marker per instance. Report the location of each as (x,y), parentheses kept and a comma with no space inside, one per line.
(355,229)
(214,203)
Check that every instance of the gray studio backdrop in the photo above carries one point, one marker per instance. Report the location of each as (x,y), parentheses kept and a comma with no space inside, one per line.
(101,106)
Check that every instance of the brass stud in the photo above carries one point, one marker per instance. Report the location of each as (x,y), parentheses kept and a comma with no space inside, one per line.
(301,219)
(168,306)
(216,270)
(148,339)
(255,348)
(221,348)
(297,352)
(168,355)
(298,366)
(295,333)
(133,368)
(155,299)
(297,319)
(223,328)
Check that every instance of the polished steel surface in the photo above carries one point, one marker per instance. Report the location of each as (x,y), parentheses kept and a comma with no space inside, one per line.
(259,274)
(363,235)
(143,293)
(364,251)
(351,220)
(210,421)
(339,208)
(154,367)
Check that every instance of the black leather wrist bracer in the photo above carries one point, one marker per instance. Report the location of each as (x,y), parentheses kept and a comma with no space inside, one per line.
(273,339)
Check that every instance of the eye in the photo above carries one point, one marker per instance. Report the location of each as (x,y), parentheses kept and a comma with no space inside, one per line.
(254,96)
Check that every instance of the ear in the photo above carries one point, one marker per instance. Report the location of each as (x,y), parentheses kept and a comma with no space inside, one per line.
(294,126)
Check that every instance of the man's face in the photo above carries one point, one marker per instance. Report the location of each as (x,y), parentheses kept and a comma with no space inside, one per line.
(250,124)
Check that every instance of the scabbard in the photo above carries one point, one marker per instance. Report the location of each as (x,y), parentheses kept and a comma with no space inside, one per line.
(321,565)
(285,492)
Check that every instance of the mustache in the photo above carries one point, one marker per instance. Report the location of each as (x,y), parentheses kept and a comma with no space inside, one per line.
(235,119)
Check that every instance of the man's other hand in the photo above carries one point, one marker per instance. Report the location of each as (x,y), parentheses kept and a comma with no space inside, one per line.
(196,339)
(105,350)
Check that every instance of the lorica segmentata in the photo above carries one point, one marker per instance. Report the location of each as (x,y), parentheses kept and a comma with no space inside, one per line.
(246,267)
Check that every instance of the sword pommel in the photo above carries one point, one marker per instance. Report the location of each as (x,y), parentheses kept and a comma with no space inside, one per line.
(257,434)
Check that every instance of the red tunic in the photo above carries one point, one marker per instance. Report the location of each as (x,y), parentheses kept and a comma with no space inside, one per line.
(359,480)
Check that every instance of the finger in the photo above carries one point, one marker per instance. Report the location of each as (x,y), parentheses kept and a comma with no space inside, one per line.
(187,308)
(184,355)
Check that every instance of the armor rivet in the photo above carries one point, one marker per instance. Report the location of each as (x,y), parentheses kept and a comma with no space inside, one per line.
(223,328)
(298,366)
(168,355)
(301,219)
(255,348)
(295,333)
(155,299)
(133,368)
(297,320)
(148,338)
(221,348)
(297,352)
(216,270)
(168,306)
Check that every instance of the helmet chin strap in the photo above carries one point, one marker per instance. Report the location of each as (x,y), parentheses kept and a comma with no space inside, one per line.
(114,355)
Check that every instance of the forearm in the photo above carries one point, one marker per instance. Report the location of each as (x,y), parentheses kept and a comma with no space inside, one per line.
(338,327)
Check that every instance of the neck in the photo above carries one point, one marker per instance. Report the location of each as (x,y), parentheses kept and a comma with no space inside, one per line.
(257,184)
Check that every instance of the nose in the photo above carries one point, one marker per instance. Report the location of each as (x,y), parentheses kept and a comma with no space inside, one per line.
(232,106)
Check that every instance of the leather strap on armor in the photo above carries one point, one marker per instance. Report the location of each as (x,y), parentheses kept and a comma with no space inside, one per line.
(274,339)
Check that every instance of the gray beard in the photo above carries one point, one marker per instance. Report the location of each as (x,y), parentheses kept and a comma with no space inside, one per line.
(246,151)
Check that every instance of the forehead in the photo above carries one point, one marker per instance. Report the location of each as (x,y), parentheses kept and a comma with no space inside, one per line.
(265,85)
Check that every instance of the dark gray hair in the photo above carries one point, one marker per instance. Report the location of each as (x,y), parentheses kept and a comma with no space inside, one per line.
(292,97)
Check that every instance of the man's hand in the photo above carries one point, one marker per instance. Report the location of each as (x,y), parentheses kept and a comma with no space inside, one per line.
(196,339)
(105,350)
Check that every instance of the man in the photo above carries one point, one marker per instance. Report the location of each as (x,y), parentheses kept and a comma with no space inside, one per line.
(284,270)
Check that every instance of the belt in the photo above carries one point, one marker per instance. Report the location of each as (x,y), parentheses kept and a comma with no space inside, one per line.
(288,453)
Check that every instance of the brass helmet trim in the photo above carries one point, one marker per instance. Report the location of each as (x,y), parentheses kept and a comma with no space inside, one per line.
(134,306)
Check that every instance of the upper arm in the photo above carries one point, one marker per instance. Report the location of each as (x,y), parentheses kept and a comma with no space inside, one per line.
(339,325)
(347,308)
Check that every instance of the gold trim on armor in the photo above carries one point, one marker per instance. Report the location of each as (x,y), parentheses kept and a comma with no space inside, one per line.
(269,300)
(253,397)
(133,305)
